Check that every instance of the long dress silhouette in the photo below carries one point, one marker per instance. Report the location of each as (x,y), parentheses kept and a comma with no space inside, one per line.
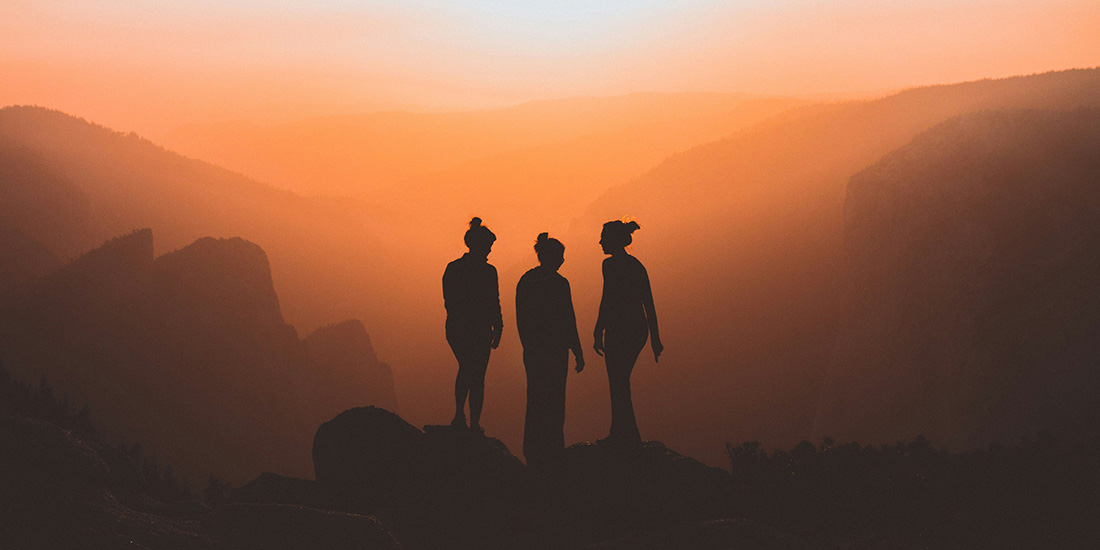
(626,320)
(547,328)
(474,325)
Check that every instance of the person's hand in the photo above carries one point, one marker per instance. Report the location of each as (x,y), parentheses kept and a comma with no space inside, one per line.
(496,337)
(658,348)
(598,346)
(580,362)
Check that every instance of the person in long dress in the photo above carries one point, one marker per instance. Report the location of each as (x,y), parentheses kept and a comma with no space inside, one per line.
(547,328)
(626,320)
(472,298)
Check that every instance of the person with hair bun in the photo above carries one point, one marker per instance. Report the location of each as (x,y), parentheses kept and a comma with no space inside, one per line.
(474,326)
(625,321)
(547,328)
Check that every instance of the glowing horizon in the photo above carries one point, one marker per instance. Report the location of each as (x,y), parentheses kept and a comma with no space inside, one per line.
(146,66)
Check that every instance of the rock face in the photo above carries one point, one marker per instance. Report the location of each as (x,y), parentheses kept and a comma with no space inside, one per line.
(368,454)
(343,355)
(972,308)
(371,457)
(189,353)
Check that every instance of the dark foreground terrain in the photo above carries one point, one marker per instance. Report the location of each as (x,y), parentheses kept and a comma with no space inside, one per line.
(383,483)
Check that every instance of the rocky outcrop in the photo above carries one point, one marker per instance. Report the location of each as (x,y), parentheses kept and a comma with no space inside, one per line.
(369,457)
(971,310)
(189,353)
(224,284)
(448,487)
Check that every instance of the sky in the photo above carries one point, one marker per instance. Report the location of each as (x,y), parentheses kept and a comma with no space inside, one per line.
(149,66)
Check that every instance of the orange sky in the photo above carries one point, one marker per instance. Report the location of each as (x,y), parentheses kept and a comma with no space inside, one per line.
(149,66)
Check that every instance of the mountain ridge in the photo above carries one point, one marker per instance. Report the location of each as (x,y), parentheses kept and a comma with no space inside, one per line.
(189,353)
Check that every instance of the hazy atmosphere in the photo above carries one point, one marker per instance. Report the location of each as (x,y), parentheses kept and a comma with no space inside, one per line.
(144,66)
(224,227)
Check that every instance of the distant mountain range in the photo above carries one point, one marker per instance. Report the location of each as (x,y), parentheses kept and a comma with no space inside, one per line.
(71,185)
(189,354)
(745,239)
(972,308)
(373,156)
(744,242)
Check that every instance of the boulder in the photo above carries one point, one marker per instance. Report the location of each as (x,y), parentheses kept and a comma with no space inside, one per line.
(368,456)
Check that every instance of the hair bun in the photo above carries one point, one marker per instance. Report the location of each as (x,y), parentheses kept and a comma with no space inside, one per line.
(542,237)
(632,226)
(476,222)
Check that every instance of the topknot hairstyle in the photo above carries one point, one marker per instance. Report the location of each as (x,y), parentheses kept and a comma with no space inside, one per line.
(547,248)
(478,235)
(618,232)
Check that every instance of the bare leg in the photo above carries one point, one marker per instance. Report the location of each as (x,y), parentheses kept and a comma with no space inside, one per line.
(477,399)
(479,362)
(624,426)
(461,389)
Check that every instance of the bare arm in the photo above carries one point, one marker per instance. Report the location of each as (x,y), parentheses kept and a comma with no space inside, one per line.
(650,314)
(573,335)
(498,319)
(446,287)
(601,318)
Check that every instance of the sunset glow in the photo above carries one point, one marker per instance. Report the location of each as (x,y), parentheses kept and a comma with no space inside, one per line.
(149,66)
(232,227)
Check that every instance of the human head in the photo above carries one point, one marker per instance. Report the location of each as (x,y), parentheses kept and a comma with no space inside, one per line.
(478,238)
(551,252)
(616,235)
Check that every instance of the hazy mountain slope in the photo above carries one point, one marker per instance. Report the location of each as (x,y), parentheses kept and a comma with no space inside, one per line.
(188,353)
(41,204)
(22,258)
(743,242)
(548,185)
(372,155)
(77,184)
(339,353)
(972,308)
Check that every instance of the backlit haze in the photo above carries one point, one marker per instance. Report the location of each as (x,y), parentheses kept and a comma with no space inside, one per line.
(728,129)
(147,66)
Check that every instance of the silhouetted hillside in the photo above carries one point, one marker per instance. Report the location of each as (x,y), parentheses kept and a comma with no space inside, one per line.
(742,239)
(446,488)
(972,307)
(71,185)
(189,353)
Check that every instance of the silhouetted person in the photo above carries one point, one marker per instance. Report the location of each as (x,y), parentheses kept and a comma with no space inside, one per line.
(626,319)
(474,325)
(548,331)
